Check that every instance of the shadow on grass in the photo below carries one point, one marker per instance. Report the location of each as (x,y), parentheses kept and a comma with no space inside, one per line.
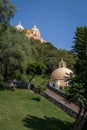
(36,99)
(46,123)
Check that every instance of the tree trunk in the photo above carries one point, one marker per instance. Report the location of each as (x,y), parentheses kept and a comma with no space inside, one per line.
(80,124)
(5,73)
(75,125)
(80,120)
(29,85)
(85,125)
(30,79)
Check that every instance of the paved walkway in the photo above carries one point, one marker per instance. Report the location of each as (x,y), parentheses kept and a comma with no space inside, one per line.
(57,97)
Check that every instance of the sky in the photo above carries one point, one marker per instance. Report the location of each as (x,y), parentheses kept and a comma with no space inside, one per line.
(56,20)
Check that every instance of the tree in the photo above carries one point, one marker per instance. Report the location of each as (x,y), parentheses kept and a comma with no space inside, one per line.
(77,92)
(50,55)
(7,11)
(34,69)
(15,52)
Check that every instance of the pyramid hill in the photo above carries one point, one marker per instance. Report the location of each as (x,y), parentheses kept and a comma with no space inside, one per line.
(45,53)
(48,54)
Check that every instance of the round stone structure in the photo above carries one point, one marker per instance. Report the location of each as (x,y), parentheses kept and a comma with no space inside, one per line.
(59,76)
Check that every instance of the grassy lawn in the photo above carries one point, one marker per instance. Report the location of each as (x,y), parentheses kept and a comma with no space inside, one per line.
(22,110)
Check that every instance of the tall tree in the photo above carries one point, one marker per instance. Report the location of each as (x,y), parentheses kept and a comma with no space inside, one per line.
(78,85)
(33,69)
(7,11)
(15,52)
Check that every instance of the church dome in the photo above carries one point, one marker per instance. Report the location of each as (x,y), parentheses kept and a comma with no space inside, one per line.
(60,73)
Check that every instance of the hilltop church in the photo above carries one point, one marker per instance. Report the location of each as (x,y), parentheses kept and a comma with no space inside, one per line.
(34,33)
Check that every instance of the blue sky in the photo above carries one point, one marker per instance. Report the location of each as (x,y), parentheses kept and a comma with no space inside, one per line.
(56,19)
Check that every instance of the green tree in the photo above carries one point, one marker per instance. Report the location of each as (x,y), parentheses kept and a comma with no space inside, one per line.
(15,52)
(78,85)
(49,55)
(7,11)
(33,69)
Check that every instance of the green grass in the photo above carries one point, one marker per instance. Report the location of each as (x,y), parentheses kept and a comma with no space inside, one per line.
(24,110)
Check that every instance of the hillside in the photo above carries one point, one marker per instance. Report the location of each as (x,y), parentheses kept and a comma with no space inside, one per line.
(50,55)
(16,51)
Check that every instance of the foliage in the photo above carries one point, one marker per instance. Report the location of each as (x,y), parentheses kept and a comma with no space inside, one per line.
(15,51)
(7,11)
(50,55)
(34,69)
(80,49)
(78,85)
(1,81)
(41,81)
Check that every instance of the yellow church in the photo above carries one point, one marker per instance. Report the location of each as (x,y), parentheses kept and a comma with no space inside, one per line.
(34,33)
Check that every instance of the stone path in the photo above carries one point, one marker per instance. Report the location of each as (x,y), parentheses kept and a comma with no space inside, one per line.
(57,97)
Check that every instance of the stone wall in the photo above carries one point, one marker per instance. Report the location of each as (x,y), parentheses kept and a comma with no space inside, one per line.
(57,92)
(66,109)
(69,111)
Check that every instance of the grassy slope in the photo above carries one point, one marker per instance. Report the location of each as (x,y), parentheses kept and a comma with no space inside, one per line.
(21,110)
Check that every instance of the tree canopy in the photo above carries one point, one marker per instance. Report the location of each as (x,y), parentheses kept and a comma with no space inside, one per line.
(50,55)
(15,52)
(78,85)
(35,68)
(7,11)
